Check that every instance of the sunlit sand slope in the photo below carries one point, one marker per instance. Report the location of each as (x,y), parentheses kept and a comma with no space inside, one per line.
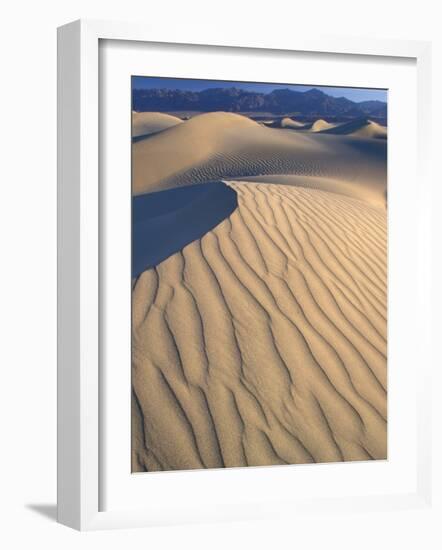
(371,191)
(217,146)
(321,125)
(147,123)
(288,122)
(264,342)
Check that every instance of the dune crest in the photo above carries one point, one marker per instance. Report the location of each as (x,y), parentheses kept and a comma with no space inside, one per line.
(165,222)
(264,341)
(147,123)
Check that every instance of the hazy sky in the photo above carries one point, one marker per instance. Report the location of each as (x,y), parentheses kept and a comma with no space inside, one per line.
(355,94)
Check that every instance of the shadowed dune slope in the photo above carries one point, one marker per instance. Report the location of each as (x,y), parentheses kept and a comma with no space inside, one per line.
(360,128)
(147,123)
(264,341)
(165,222)
(216,146)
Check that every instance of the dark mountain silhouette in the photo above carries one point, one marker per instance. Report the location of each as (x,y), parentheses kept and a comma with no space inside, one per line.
(281,101)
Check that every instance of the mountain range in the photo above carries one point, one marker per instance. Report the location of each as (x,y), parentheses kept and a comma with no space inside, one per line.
(313,102)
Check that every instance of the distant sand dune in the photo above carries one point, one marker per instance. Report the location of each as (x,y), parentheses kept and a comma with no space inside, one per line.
(285,122)
(321,125)
(361,128)
(147,123)
(217,146)
(288,122)
(264,342)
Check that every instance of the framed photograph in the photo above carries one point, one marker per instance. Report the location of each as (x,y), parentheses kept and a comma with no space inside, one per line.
(244,281)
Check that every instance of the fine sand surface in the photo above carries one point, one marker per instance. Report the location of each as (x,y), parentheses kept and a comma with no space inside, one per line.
(263,341)
(144,124)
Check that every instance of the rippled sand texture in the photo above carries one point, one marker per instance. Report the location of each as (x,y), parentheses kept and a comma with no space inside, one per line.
(264,341)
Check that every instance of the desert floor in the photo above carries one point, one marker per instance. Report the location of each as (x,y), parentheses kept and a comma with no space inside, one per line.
(259,294)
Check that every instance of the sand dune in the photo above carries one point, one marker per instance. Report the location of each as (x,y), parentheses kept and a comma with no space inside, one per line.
(147,123)
(320,125)
(259,301)
(361,128)
(216,146)
(264,341)
(287,122)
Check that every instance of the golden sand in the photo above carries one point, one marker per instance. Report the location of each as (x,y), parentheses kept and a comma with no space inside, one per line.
(264,342)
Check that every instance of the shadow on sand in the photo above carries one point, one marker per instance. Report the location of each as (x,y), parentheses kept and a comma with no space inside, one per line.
(165,222)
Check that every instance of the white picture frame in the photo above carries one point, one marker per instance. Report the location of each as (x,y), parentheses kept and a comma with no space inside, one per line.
(80,271)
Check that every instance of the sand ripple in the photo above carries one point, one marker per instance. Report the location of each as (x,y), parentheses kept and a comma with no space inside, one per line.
(264,341)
